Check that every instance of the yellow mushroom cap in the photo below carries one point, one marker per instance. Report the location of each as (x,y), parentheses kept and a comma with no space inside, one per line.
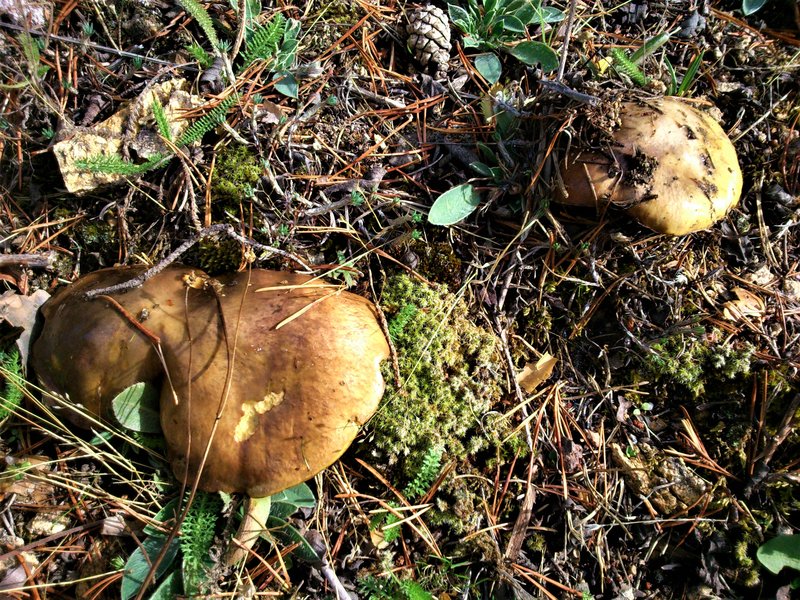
(669,165)
(295,377)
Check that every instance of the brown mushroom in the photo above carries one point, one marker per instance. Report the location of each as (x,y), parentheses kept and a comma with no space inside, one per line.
(88,351)
(668,164)
(282,399)
(269,375)
(285,395)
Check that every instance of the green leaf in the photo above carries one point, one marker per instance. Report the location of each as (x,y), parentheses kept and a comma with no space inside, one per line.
(528,13)
(489,8)
(136,408)
(169,588)
(779,552)
(168,513)
(288,534)
(549,14)
(472,42)
(139,563)
(481,168)
(689,76)
(512,24)
(488,65)
(458,16)
(287,502)
(751,6)
(286,84)
(535,52)
(454,205)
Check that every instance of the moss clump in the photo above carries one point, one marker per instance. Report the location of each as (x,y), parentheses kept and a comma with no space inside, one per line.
(437,261)
(696,362)
(219,255)
(449,369)
(236,174)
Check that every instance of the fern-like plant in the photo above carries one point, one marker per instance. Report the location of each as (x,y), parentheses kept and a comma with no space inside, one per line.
(200,14)
(203,58)
(161,120)
(264,41)
(423,478)
(117,165)
(206,123)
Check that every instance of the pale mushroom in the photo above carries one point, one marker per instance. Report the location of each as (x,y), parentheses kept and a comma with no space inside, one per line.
(668,164)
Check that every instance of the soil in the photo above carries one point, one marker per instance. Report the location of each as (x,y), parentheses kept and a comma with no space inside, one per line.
(658,455)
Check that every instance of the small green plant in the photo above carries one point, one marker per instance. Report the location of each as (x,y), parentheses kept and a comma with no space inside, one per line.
(276,44)
(503,25)
(689,77)
(628,65)
(392,588)
(199,14)
(203,58)
(692,363)
(161,120)
(11,393)
(207,122)
(197,538)
(425,476)
(118,165)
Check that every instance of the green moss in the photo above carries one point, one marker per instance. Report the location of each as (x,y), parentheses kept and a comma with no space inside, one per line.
(438,262)
(97,235)
(219,255)
(236,174)
(449,368)
(693,363)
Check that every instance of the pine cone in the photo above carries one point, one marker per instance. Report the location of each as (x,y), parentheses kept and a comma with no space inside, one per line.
(429,38)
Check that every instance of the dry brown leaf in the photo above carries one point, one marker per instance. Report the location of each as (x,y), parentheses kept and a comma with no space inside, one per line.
(20,311)
(746,305)
(534,374)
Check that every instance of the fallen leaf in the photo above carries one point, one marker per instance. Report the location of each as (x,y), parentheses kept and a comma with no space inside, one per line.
(746,305)
(20,311)
(534,374)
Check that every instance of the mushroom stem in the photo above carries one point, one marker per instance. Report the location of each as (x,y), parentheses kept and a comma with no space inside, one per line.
(254,523)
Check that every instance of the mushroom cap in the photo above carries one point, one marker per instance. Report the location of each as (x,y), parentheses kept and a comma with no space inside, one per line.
(670,166)
(304,376)
(88,351)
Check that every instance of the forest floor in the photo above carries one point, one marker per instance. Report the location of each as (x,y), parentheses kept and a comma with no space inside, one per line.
(584,409)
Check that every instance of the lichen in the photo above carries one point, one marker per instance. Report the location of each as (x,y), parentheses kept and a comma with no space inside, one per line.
(450,372)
